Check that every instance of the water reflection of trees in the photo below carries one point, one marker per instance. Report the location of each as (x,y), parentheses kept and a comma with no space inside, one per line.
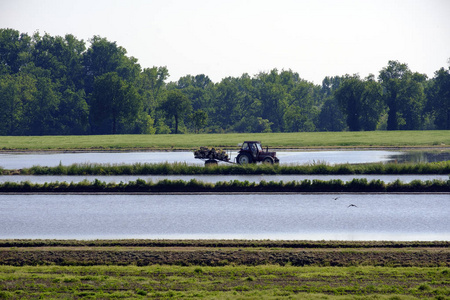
(420,156)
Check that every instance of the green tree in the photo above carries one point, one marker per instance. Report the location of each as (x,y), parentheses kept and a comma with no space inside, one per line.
(361,102)
(404,96)
(227,103)
(197,89)
(391,79)
(199,119)
(151,85)
(73,113)
(115,105)
(42,111)
(16,92)
(349,97)
(439,98)
(177,106)
(372,104)
(331,117)
(62,58)
(15,50)
(273,96)
(104,57)
(301,113)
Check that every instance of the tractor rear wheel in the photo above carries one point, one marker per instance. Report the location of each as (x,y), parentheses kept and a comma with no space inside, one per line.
(244,159)
(268,160)
(211,162)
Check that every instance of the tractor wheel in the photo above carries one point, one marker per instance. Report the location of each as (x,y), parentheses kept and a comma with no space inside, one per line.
(211,162)
(244,159)
(268,160)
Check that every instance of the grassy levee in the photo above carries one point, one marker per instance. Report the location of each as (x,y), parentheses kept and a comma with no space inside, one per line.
(223,269)
(194,186)
(234,169)
(433,138)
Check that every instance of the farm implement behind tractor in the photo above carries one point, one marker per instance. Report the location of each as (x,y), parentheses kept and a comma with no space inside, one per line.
(250,152)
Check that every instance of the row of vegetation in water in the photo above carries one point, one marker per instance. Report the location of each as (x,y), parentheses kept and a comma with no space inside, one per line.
(169,243)
(195,186)
(235,169)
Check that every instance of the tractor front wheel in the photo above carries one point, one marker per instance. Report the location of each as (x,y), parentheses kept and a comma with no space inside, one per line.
(268,160)
(244,159)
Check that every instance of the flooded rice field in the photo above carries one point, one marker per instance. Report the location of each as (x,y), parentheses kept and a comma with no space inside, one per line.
(27,160)
(287,217)
(402,217)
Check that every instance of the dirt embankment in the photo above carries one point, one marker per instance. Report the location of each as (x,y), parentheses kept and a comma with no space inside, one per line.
(426,254)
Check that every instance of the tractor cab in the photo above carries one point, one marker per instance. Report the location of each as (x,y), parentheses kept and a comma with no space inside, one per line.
(252,152)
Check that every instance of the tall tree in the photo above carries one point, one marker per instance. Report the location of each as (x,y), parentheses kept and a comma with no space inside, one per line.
(439,98)
(273,96)
(349,98)
(199,119)
(43,111)
(151,85)
(372,104)
(361,102)
(198,89)
(16,92)
(301,113)
(104,57)
(391,78)
(227,108)
(15,50)
(403,94)
(176,105)
(115,104)
(73,113)
(331,117)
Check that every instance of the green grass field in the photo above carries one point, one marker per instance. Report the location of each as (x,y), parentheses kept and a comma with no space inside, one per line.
(228,282)
(436,138)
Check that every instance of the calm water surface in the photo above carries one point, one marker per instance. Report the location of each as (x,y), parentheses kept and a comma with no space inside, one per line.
(26,160)
(312,217)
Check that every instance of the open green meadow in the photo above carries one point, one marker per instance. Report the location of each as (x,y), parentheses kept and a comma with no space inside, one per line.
(228,282)
(435,138)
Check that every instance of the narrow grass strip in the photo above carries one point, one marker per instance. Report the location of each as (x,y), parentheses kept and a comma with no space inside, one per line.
(295,140)
(195,186)
(234,169)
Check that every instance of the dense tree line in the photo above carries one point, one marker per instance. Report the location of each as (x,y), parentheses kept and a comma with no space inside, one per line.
(57,85)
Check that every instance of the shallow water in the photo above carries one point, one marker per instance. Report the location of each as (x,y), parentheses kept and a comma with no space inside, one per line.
(312,217)
(27,160)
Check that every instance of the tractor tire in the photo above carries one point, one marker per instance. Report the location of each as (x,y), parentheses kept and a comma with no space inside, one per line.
(211,162)
(268,160)
(244,159)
